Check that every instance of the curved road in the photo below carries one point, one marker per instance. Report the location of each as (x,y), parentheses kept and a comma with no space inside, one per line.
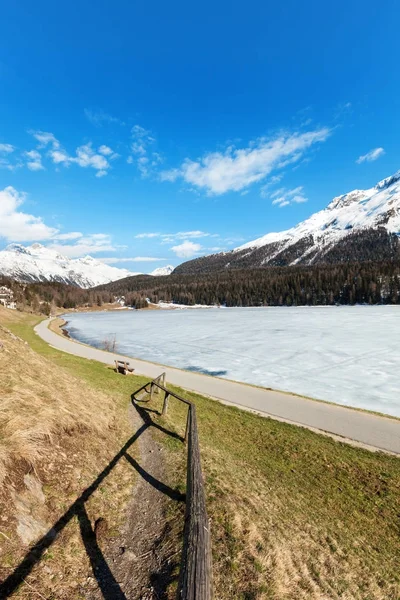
(362,428)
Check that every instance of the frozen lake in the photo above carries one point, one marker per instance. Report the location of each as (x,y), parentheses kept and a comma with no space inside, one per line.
(349,355)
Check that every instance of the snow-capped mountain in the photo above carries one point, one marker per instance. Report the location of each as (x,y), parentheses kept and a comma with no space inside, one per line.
(37,263)
(167,270)
(359,225)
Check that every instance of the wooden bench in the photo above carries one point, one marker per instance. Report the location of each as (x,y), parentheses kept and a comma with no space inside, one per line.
(121,366)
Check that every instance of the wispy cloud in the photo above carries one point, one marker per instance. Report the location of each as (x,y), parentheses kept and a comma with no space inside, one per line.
(99,118)
(187,249)
(85,156)
(113,260)
(83,245)
(5,163)
(273,180)
(45,138)
(284,197)
(237,168)
(147,235)
(167,238)
(107,151)
(371,155)
(34,162)
(6,148)
(143,154)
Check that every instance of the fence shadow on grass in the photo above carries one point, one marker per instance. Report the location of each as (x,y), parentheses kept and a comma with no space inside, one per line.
(101,571)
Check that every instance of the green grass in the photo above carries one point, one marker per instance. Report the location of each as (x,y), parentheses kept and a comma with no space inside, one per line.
(294,515)
(98,375)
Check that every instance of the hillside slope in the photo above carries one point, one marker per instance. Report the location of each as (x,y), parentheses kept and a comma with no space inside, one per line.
(357,226)
(54,441)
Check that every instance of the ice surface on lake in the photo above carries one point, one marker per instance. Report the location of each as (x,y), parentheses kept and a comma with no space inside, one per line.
(349,355)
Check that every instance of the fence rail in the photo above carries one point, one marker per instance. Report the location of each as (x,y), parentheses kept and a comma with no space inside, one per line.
(195,577)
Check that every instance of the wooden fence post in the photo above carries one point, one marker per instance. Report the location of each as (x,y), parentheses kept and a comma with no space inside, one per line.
(195,578)
(151,390)
(187,424)
(165,407)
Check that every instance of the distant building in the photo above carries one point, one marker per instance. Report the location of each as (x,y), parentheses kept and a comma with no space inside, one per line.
(7,297)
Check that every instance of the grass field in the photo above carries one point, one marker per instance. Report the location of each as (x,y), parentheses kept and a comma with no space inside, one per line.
(294,515)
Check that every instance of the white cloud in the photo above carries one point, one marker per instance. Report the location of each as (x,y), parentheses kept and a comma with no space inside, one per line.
(45,138)
(167,238)
(114,260)
(87,157)
(147,235)
(99,117)
(73,235)
(145,159)
(6,148)
(85,244)
(171,175)
(371,155)
(34,162)
(236,169)
(18,226)
(5,164)
(60,157)
(273,180)
(106,150)
(183,235)
(186,249)
(284,197)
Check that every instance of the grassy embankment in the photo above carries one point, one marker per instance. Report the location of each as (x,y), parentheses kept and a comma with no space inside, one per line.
(62,419)
(295,515)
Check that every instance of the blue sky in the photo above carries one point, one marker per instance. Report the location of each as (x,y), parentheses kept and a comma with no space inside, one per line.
(163,131)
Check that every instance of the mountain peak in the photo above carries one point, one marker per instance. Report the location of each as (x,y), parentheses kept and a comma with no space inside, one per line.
(388,181)
(161,271)
(17,248)
(39,263)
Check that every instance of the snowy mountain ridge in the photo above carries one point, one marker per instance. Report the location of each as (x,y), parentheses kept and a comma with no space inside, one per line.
(356,210)
(161,271)
(37,263)
(359,225)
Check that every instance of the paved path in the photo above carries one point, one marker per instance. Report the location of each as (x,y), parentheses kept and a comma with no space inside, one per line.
(362,427)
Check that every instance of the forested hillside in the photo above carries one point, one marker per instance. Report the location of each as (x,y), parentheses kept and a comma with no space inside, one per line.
(359,246)
(350,283)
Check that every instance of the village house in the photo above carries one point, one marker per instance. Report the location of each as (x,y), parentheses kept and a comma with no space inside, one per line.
(7,297)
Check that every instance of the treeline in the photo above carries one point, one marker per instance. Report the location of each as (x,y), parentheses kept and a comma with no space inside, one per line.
(45,298)
(349,283)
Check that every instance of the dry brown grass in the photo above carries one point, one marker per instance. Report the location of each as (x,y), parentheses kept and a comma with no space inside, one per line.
(59,429)
(39,402)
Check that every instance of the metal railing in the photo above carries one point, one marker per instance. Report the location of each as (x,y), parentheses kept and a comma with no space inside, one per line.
(195,577)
